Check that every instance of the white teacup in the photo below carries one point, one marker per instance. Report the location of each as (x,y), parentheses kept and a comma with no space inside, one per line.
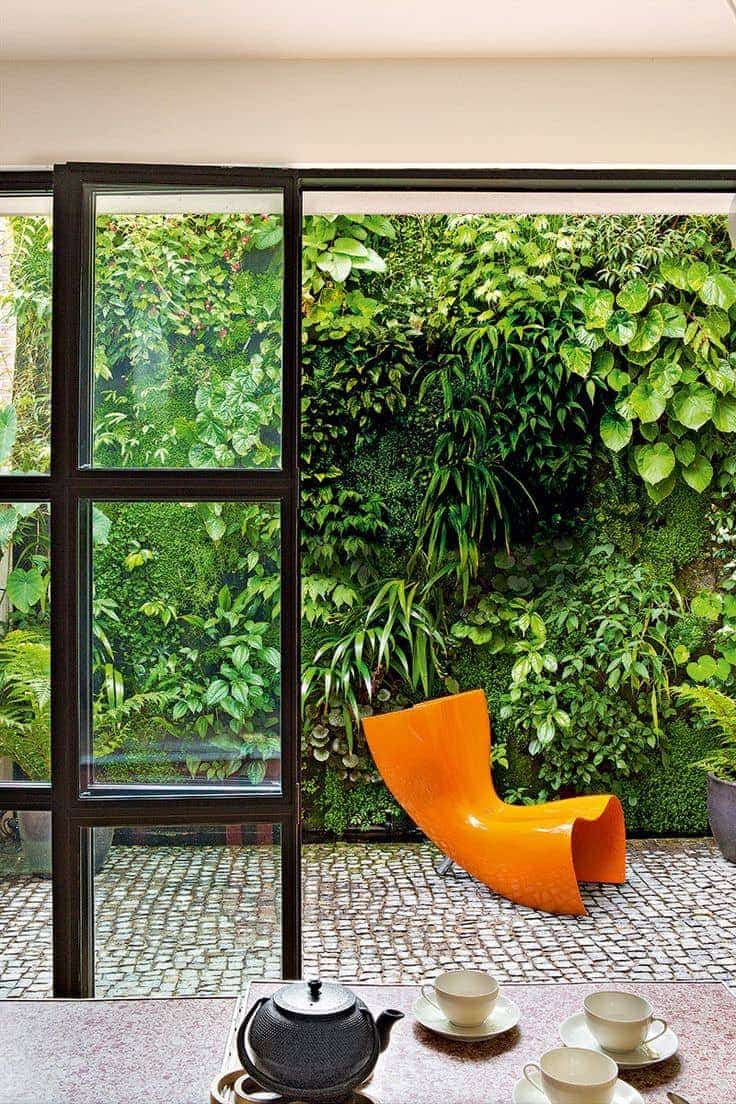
(572,1075)
(621,1022)
(465,997)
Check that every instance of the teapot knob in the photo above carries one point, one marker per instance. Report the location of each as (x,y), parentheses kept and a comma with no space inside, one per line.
(314,989)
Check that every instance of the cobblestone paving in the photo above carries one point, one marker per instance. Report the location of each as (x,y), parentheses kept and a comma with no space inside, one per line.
(180,920)
(380,912)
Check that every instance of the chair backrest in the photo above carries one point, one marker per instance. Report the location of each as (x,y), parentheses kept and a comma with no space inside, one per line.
(435,755)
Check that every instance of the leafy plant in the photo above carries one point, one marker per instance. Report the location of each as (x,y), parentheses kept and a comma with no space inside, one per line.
(396,632)
(506,309)
(334,247)
(468,491)
(25,702)
(670,360)
(592,659)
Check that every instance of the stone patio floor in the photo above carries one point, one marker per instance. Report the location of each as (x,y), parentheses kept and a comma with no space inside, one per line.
(174,920)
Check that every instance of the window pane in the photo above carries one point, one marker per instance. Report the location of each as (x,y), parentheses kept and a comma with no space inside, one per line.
(25,333)
(183,911)
(25,904)
(185,650)
(25,656)
(187,331)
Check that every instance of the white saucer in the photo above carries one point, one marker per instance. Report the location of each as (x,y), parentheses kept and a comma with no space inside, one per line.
(504,1016)
(574,1032)
(525,1093)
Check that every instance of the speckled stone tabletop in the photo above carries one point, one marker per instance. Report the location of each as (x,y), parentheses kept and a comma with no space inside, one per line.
(422,1068)
(111,1052)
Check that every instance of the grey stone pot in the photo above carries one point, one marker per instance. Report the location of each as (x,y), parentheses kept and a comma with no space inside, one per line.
(722,814)
(35,833)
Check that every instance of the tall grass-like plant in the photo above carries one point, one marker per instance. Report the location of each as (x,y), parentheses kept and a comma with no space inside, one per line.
(720,710)
(397,632)
(470,494)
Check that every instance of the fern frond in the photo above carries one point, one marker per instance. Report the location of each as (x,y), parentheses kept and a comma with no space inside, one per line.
(714,705)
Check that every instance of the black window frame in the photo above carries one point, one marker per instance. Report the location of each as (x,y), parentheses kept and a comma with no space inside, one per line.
(76,808)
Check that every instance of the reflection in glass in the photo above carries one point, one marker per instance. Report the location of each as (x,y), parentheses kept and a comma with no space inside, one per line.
(186,680)
(25,335)
(185,911)
(187,322)
(25,656)
(25,903)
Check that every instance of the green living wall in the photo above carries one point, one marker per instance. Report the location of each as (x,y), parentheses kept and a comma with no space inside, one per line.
(518,472)
(518,466)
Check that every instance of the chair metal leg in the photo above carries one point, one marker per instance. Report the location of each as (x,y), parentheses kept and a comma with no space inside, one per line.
(445,866)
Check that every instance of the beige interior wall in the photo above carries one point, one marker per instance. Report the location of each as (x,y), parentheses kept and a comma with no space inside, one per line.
(524,111)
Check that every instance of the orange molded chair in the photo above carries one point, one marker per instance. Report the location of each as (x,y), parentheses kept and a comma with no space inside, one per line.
(435,759)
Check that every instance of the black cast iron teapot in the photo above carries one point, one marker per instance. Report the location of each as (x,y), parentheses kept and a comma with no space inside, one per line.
(312,1041)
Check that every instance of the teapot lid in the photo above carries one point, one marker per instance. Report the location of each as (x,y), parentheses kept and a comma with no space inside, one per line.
(314,998)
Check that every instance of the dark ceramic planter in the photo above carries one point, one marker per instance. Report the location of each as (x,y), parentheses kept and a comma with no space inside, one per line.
(722,814)
(35,834)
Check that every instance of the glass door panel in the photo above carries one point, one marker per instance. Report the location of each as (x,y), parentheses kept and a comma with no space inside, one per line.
(187,335)
(186,910)
(185,643)
(25,653)
(25,333)
(25,903)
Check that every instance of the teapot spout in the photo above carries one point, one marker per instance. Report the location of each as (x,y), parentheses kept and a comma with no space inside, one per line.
(384,1023)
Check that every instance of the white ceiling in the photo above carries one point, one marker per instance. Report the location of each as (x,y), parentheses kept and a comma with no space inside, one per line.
(189,29)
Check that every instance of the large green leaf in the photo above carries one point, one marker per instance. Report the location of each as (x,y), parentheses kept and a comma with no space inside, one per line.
(674,273)
(721,376)
(215,526)
(576,358)
(633,296)
(716,323)
(693,405)
(592,339)
(648,332)
(654,462)
(686,451)
(618,379)
(372,262)
(724,414)
(597,306)
(9,518)
(659,491)
(663,375)
(698,474)
(25,588)
(8,431)
(380,225)
(718,290)
(675,321)
(615,431)
(603,361)
(267,236)
(336,265)
(641,359)
(697,274)
(216,691)
(647,404)
(350,247)
(620,328)
(101,525)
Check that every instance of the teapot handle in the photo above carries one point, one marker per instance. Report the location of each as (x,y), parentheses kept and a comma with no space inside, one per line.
(243,1029)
